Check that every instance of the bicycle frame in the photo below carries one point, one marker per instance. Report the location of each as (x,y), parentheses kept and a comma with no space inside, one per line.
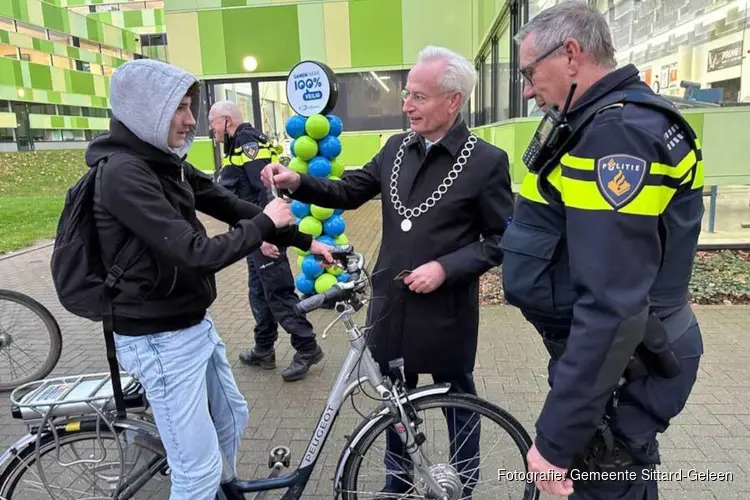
(347,380)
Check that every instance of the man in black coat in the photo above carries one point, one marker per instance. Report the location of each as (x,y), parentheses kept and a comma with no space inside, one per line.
(446,199)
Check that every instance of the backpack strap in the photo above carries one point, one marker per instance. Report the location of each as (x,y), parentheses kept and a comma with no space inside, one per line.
(125,258)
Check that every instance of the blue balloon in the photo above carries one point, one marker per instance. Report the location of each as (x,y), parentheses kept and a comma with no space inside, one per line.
(338,211)
(297,221)
(336,126)
(343,277)
(304,284)
(299,209)
(295,126)
(334,226)
(319,167)
(311,268)
(330,146)
(291,148)
(326,240)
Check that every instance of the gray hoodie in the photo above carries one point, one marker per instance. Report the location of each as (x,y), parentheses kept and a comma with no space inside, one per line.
(144,95)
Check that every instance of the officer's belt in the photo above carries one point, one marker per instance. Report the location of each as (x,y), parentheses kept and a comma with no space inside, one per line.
(676,324)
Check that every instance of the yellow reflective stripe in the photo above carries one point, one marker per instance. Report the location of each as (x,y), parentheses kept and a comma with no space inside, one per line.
(263,154)
(585,195)
(577,162)
(677,172)
(226,161)
(698,181)
(555,178)
(529,190)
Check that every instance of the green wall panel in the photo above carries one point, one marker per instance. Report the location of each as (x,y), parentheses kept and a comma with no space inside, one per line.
(57,122)
(440,16)
(4,38)
(132,18)
(41,77)
(211,32)
(20,9)
(273,39)
(53,17)
(81,83)
(376,38)
(6,9)
(8,120)
(7,71)
(94,30)
(233,3)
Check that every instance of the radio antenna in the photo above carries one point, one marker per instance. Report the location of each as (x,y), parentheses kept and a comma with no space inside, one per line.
(573,87)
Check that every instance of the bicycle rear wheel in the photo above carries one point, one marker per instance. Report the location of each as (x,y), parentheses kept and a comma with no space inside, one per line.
(102,460)
(30,340)
(463,472)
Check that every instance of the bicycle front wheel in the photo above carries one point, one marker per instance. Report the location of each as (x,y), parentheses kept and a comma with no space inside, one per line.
(30,340)
(475,450)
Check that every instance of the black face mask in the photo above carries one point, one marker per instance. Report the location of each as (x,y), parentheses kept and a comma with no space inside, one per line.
(552,132)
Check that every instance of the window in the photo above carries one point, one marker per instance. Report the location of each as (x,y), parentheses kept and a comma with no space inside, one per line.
(70,110)
(8,51)
(73,135)
(110,51)
(371,100)
(7,24)
(7,135)
(91,47)
(94,112)
(63,62)
(44,135)
(42,109)
(36,57)
(56,36)
(28,29)
(4,106)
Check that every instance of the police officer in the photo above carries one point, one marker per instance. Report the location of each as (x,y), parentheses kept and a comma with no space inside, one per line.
(272,296)
(598,257)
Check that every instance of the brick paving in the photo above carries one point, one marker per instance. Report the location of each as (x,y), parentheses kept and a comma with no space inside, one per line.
(712,434)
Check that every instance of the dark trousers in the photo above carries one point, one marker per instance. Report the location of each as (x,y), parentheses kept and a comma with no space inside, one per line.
(463,432)
(644,409)
(272,300)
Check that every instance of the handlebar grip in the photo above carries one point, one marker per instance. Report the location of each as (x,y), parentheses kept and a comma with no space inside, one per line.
(333,294)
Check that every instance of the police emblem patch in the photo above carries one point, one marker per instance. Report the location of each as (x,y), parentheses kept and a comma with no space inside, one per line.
(619,177)
(250,149)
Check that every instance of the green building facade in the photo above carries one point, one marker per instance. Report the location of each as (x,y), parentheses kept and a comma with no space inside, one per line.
(56,58)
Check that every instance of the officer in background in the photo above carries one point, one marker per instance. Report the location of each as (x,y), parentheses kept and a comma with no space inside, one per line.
(599,254)
(272,296)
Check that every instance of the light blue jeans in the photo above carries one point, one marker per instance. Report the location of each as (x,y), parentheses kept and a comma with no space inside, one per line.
(185,373)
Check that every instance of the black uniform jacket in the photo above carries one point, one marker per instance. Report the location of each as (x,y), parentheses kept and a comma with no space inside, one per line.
(600,241)
(435,332)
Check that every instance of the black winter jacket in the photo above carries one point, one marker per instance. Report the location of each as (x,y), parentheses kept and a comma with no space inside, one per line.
(147,193)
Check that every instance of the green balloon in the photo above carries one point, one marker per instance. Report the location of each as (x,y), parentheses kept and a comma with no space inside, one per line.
(320,213)
(301,252)
(337,167)
(298,165)
(341,239)
(324,282)
(305,147)
(312,226)
(317,126)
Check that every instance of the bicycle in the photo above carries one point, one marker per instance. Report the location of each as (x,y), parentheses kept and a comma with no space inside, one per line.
(68,410)
(12,329)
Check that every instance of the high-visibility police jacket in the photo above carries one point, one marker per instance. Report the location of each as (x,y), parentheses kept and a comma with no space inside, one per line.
(598,241)
(245,155)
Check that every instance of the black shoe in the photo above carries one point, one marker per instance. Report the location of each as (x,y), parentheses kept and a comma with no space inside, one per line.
(301,364)
(265,358)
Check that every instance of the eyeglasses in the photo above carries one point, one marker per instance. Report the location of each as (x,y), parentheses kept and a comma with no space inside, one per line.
(419,98)
(527,71)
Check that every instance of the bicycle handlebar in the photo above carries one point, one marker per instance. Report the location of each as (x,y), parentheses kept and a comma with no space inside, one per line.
(354,264)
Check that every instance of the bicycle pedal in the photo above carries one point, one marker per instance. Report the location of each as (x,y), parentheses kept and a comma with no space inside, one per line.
(280,454)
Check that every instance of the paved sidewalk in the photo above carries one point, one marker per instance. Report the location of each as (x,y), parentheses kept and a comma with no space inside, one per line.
(712,434)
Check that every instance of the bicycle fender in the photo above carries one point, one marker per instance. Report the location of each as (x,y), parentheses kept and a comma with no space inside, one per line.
(16,448)
(364,427)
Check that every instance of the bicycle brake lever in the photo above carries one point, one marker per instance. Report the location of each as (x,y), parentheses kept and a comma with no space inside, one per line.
(330,325)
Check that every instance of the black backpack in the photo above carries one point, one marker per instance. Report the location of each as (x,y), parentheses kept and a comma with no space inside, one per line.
(83,285)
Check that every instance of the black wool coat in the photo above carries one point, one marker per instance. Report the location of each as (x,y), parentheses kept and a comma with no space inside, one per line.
(434,332)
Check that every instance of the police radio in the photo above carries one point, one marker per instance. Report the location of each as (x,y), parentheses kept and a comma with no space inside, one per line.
(549,135)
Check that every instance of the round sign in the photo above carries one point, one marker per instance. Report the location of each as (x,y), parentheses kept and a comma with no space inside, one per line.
(311,88)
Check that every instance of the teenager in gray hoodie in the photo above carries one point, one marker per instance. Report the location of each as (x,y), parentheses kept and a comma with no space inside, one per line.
(163,333)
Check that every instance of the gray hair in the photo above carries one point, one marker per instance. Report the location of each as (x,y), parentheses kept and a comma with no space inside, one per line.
(459,73)
(227,108)
(572,19)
